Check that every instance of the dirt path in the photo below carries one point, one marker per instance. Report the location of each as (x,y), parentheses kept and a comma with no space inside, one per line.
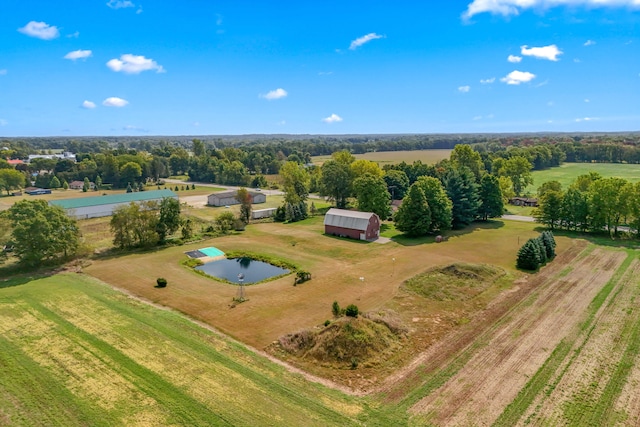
(515,350)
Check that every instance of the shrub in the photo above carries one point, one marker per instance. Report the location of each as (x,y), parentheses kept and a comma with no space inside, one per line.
(352,310)
(335,309)
(161,282)
(327,322)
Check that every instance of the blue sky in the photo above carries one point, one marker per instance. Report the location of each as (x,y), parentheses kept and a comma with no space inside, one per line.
(129,67)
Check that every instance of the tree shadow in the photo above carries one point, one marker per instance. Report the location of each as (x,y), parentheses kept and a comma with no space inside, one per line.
(405,240)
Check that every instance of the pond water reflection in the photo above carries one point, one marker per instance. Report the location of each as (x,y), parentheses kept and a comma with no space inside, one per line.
(253,271)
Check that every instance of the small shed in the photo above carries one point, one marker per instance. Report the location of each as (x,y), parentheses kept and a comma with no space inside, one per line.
(353,224)
(99,206)
(263,213)
(226,198)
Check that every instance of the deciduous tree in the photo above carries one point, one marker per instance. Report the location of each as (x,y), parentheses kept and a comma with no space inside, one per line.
(372,195)
(42,232)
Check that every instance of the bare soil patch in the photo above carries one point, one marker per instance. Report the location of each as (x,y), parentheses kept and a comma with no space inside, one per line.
(518,346)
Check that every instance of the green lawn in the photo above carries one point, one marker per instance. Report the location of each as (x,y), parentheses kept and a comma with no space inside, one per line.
(391,157)
(75,352)
(568,172)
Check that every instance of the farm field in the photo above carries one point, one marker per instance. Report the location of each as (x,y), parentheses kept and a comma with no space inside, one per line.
(568,172)
(75,352)
(428,157)
(559,347)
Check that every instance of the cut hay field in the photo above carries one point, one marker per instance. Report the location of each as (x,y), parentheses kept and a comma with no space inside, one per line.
(428,157)
(75,352)
(568,172)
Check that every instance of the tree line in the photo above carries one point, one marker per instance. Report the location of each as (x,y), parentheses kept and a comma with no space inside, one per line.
(591,204)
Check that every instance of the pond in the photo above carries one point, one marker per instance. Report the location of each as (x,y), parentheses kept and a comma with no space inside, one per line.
(252,270)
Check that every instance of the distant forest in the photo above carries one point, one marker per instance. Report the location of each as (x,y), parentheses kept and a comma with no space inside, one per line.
(245,159)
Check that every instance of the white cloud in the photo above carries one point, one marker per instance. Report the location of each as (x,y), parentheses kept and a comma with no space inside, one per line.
(40,30)
(332,119)
(514,7)
(516,77)
(3,72)
(589,43)
(585,119)
(120,4)
(3,122)
(274,94)
(464,89)
(134,64)
(550,52)
(282,123)
(74,35)
(114,101)
(364,39)
(488,81)
(514,58)
(89,105)
(134,128)
(78,54)
(587,100)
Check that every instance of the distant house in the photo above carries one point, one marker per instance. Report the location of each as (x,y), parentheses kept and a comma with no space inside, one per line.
(353,224)
(523,201)
(227,198)
(98,206)
(15,162)
(79,185)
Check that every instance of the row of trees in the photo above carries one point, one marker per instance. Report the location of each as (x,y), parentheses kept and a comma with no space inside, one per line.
(537,251)
(591,203)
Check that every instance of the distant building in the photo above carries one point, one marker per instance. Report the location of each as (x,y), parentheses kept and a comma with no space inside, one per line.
(98,206)
(263,213)
(227,198)
(15,162)
(523,201)
(35,191)
(79,185)
(64,156)
(353,224)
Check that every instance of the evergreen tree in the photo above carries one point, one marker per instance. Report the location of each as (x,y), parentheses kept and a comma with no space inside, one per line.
(98,182)
(528,256)
(414,216)
(129,188)
(463,191)
(86,185)
(549,243)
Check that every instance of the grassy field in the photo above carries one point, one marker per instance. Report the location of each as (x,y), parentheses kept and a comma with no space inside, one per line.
(75,352)
(390,157)
(568,172)
(487,344)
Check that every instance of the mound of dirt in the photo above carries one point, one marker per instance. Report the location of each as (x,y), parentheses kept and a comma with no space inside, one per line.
(455,282)
(348,341)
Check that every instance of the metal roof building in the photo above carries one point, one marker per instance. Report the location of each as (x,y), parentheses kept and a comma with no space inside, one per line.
(354,224)
(97,206)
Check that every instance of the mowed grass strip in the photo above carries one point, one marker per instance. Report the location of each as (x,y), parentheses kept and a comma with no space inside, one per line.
(544,377)
(123,334)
